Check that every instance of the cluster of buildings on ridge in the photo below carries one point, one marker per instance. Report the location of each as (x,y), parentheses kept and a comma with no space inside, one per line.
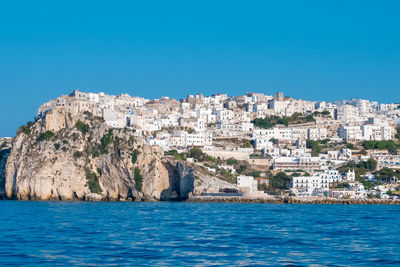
(201,121)
(5,143)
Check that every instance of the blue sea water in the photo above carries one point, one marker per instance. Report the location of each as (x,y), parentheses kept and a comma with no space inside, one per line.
(175,234)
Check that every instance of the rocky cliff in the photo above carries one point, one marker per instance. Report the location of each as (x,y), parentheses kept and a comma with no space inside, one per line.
(4,153)
(64,157)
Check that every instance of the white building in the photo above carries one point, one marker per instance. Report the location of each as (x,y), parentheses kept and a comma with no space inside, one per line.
(376,132)
(308,185)
(347,113)
(297,163)
(351,133)
(332,176)
(247,184)
(317,133)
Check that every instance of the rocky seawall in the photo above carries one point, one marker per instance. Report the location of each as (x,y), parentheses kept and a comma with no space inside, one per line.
(288,200)
(62,157)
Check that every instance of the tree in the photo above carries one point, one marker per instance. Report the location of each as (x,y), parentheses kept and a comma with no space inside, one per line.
(385,174)
(255,174)
(296,116)
(315,148)
(247,144)
(381,145)
(241,169)
(284,121)
(172,152)
(280,181)
(309,118)
(263,123)
(196,153)
(350,146)
(231,161)
(369,145)
(262,187)
(343,185)
(391,147)
(325,141)
(371,164)
(398,133)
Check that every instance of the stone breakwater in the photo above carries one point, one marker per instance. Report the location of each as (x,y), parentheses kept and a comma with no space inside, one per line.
(289,200)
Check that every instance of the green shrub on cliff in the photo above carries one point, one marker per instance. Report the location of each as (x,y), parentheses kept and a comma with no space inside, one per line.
(231,161)
(105,141)
(47,135)
(78,154)
(26,129)
(83,127)
(138,179)
(116,143)
(135,154)
(95,150)
(92,181)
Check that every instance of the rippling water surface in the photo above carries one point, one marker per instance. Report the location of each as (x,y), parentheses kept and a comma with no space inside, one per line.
(83,233)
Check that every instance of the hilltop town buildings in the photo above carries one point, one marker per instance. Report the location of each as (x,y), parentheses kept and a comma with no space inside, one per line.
(199,121)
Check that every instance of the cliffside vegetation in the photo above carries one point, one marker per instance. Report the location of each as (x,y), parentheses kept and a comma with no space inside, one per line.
(83,127)
(93,181)
(26,129)
(138,179)
(135,154)
(78,156)
(390,145)
(47,135)
(271,121)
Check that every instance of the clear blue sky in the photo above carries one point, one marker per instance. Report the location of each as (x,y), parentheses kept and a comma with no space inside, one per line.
(307,49)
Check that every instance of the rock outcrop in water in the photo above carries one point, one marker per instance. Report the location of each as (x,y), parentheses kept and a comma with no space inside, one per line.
(63,157)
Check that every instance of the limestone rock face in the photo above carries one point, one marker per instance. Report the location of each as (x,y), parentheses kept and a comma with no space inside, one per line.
(181,181)
(57,119)
(99,163)
(209,184)
(4,153)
